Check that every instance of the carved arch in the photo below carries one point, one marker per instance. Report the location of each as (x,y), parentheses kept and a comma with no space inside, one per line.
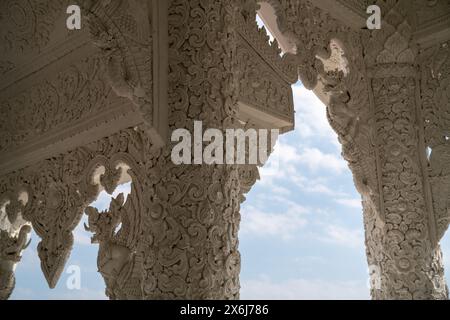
(60,189)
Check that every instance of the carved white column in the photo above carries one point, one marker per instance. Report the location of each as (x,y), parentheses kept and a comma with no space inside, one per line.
(386,112)
(405,229)
(189,245)
(13,238)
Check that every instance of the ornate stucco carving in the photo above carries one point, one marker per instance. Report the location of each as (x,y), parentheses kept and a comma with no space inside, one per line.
(27,25)
(78,92)
(265,77)
(435,88)
(128,46)
(432,21)
(375,108)
(175,236)
(13,237)
(118,231)
(11,248)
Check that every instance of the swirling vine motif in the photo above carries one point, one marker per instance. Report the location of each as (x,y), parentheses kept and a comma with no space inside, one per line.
(76,93)
(375,110)
(179,225)
(178,228)
(27,24)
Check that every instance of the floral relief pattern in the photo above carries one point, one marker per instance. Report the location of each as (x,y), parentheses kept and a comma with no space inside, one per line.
(178,229)
(76,93)
(435,96)
(373,109)
(176,235)
(26,25)
(121,30)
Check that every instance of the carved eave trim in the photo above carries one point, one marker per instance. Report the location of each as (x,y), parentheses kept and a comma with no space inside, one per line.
(262,119)
(267,76)
(270,53)
(118,116)
(351,13)
(119,113)
(50,62)
(432,34)
(147,106)
(268,15)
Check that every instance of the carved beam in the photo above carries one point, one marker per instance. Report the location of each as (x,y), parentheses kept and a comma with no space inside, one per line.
(60,89)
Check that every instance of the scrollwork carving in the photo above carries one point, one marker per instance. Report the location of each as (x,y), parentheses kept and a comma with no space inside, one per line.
(435,88)
(13,238)
(26,25)
(375,110)
(77,93)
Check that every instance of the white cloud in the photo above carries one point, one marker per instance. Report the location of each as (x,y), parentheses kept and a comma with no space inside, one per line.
(352,203)
(319,184)
(316,160)
(303,289)
(306,170)
(284,226)
(316,187)
(342,236)
(310,260)
(288,159)
(282,163)
(288,153)
(310,119)
(280,190)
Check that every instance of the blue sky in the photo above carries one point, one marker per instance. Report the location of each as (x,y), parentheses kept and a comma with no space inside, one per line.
(301,237)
